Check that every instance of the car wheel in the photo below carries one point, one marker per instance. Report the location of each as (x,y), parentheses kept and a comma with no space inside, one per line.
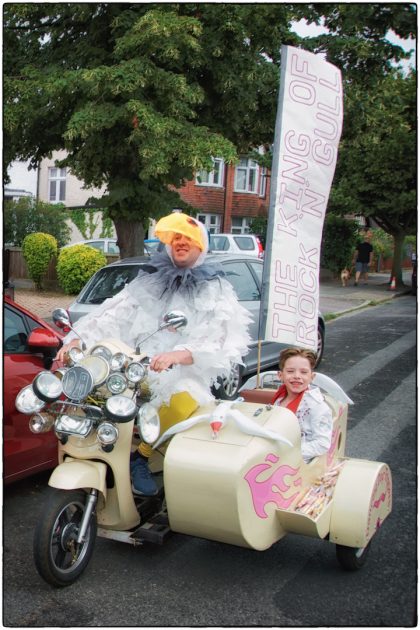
(352,558)
(320,344)
(228,386)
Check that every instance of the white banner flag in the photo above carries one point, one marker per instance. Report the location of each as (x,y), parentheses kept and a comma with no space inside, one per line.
(308,129)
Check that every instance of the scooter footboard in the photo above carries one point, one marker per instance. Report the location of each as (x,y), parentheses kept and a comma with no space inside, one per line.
(362,500)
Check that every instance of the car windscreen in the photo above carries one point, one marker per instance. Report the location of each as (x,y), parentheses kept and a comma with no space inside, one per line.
(245,243)
(109,281)
(218,243)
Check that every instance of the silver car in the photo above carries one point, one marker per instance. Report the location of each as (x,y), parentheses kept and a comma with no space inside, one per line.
(245,275)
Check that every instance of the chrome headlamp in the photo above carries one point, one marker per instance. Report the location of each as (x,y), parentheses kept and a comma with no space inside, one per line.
(41,422)
(135,372)
(98,367)
(73,425)
(118,361)
(149,423)
(28,402)
(107,433)
(75,355)
(116,383)
(102,351)
(47,386)
(120,409)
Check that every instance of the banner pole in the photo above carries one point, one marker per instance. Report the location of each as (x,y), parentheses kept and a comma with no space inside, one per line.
(258,362)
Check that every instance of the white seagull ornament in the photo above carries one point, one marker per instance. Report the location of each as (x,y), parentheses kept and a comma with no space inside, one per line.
(218,418)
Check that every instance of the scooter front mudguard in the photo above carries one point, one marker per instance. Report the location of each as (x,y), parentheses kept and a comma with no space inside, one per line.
(72,474)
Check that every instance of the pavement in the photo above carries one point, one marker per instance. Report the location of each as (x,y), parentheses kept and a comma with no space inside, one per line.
(334,300)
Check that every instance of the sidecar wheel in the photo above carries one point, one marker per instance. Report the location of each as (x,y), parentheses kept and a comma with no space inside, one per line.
(58,557)
(229,385)
(352,558)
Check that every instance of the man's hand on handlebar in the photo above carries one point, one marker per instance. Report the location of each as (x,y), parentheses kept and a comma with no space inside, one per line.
(165,360)
(61,354)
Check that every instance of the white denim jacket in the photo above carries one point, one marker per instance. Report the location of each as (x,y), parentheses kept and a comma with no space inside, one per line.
(315,421)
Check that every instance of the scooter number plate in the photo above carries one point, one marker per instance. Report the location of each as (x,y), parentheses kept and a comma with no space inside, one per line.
(77,383)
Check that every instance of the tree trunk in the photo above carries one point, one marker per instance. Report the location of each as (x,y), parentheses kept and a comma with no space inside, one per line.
(130,237)
(397,261)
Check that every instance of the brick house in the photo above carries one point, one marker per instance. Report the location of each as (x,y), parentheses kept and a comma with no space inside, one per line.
(227,197)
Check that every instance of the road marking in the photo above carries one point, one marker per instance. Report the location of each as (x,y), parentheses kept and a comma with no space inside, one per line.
(369,365)
(373,435)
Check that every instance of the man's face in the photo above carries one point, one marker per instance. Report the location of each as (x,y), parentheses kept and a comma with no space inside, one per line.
(184,251)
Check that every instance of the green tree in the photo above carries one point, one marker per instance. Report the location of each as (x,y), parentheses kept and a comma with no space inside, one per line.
(140,95)
(377,171)
(25,216)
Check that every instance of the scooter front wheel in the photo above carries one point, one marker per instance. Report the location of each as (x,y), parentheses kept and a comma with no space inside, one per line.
(59,558)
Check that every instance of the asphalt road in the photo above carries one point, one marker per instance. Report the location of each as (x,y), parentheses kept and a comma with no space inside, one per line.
(195,582)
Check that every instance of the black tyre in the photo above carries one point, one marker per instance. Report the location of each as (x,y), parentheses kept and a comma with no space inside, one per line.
(352,558)
(58,557)
(320,344)
(230,384)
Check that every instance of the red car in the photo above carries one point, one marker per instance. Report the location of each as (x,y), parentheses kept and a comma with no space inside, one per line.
(29,344)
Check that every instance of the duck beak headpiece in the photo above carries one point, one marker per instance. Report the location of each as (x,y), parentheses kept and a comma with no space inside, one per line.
(180,223)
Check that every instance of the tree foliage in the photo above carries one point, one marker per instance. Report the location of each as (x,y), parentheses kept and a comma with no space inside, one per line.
(25,216)
(76,265)
(38,249)
(339,239)
(377,172)
(140,95)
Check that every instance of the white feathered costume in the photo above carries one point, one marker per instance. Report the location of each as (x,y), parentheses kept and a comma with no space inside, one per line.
(216,333)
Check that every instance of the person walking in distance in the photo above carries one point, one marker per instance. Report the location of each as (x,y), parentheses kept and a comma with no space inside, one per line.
(363,258)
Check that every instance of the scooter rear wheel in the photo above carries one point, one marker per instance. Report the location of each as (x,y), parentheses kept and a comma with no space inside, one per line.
(58,557)
(352,558)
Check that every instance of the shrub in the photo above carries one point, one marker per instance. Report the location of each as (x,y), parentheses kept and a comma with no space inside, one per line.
(339,239)
(76,264)
(26,216)
(38,249)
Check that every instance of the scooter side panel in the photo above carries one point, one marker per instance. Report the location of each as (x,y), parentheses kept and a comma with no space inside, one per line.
(361,502)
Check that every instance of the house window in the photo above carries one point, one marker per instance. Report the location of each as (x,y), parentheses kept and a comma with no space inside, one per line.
(211,221)
(211,178)
(56,184)
(246,176)
(263,182)
(240,225)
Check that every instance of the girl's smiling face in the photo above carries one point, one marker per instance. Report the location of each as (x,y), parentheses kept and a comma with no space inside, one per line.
(297,374)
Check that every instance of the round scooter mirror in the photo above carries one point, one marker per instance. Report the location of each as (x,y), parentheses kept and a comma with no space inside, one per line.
(60,318)
(174,319)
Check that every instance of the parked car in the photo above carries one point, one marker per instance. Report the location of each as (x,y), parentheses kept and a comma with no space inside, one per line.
(28,346)
(243,272)
(236,244)
(106,245)
(109,245)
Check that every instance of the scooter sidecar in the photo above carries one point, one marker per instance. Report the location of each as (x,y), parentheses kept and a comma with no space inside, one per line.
(250,491)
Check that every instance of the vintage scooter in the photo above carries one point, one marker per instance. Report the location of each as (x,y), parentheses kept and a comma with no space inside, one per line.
(231,472)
